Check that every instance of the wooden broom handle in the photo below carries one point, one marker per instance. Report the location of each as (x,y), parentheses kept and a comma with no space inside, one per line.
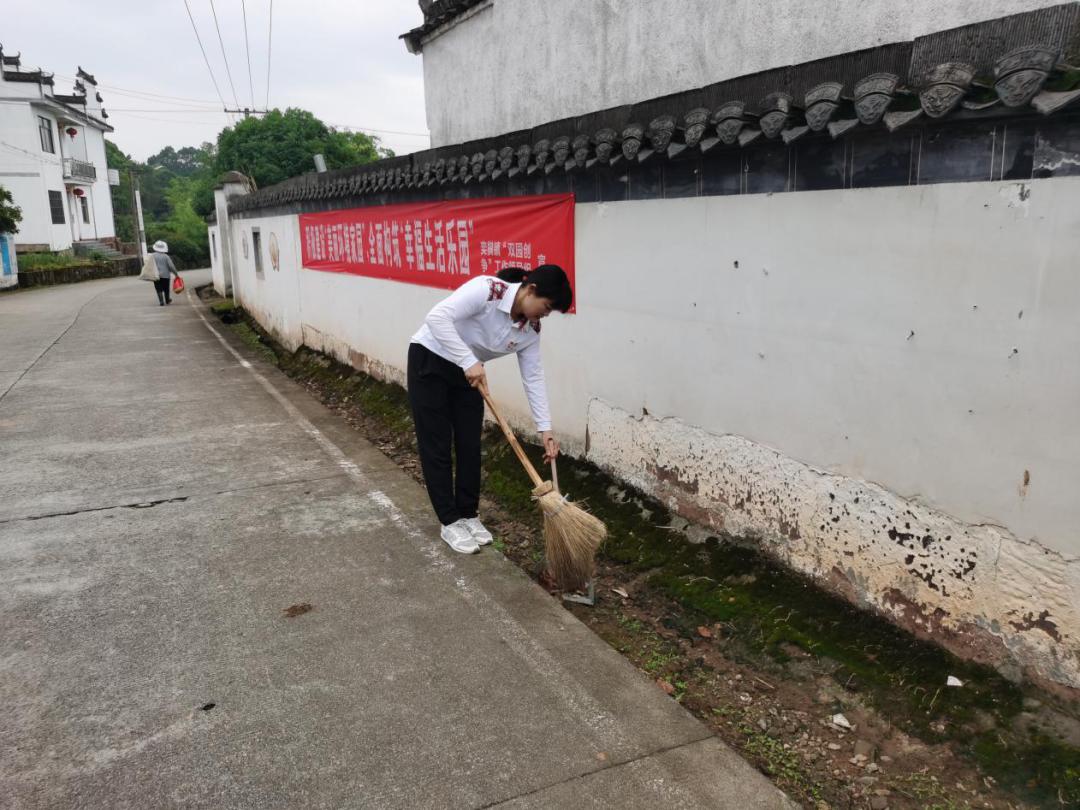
(510,437)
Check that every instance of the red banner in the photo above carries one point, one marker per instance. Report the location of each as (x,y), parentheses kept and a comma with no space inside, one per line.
(442,244)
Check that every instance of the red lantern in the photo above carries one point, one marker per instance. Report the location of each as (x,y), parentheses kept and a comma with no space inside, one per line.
(78,192)
(72,132)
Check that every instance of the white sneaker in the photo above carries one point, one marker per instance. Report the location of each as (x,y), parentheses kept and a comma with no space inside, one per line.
(459,538)
(479,531)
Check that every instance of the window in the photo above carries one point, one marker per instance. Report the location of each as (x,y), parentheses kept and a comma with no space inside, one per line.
(45,132)
(585,187)
(85,210)
(880,159)
(722,173)
(1057,148)
(766,169)
(613,184)
(213,243)
(681,177)
(819,164)
(955,155)
(646,181)
(56,206)
(256,247)
(1017,151)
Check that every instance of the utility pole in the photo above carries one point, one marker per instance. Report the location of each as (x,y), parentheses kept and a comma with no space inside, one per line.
(247,112)
(136,213)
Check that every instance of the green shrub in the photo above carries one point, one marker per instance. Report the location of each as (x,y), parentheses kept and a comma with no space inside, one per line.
(45,261)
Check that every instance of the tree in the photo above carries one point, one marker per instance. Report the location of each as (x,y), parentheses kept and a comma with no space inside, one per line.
(184,229)
(121,194)
(177,185)
(10,214)
(186,161)
(281,145)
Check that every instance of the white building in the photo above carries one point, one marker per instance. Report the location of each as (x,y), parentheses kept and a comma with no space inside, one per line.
(52,158)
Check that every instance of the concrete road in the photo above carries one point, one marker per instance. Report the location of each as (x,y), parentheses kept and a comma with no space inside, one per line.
(164,498)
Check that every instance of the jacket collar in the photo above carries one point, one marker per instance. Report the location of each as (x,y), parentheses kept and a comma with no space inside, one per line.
(506,304)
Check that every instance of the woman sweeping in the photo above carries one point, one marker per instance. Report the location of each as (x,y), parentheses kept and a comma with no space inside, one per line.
(485,318)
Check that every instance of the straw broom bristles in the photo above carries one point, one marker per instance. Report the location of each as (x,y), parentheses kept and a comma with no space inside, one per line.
(571,535)
(571,538)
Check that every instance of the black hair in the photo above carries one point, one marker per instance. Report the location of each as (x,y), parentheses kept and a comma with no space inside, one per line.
(550,280)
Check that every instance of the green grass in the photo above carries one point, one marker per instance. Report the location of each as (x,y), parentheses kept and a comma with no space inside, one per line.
(49,261)
(223,305)
(781,763)
(928,791)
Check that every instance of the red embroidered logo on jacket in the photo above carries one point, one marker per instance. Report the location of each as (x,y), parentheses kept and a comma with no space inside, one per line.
(498,290)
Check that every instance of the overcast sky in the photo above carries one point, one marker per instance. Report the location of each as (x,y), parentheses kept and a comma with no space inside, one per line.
(341,59)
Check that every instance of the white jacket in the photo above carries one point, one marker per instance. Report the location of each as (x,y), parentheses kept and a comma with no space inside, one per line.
(473,325)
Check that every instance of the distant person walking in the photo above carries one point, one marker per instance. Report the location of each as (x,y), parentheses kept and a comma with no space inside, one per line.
(165,270)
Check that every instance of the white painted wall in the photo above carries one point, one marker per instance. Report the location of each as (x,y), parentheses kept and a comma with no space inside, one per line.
(520,63)
(29,173)
(217,274)
(100,194)
(915,344)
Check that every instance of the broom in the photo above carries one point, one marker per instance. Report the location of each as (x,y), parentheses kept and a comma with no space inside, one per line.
(571,535)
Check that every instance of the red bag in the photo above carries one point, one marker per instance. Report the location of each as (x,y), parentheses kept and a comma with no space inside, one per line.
(177,285)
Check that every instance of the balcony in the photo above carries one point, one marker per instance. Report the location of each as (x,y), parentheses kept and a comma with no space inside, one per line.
(79,171)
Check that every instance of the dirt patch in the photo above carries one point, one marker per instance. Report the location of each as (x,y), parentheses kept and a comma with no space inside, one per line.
(840,708)
(292,611)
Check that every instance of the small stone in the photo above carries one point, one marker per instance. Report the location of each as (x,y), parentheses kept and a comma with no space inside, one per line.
(763,724)
(872,767)
(879,803)
(867,781)
(885,758)
(835,746)
(1032,703)
(840,721)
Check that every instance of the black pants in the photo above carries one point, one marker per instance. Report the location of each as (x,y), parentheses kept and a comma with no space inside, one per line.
(446,410)
(164,291)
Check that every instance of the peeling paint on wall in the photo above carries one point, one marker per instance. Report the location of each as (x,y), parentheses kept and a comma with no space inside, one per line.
(976,589)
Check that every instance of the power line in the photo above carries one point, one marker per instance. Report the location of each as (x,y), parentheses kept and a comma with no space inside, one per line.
(145,99)
(173,121)
(247,47)
(223,56)
(161,110)
(383,131)
(127,91)
(269,43)
(201,48)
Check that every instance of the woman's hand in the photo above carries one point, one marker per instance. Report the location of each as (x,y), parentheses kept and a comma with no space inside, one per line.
(475,376)
(551,446)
